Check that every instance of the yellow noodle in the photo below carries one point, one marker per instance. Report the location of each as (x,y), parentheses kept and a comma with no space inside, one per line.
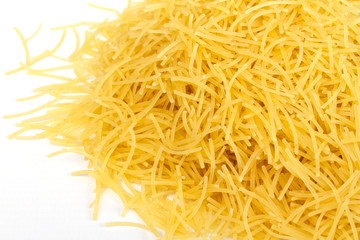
(237,119)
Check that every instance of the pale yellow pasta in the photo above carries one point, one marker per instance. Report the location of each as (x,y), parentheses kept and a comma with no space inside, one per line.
(239,119)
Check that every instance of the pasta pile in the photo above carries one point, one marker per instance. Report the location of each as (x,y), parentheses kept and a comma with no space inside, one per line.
(234,118)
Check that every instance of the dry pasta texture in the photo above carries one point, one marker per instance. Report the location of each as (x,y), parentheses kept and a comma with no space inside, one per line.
(237,118)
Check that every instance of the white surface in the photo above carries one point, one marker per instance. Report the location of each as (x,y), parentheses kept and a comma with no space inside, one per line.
(39,199)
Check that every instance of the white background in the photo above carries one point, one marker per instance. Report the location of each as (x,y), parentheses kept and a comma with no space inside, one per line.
(39,199)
